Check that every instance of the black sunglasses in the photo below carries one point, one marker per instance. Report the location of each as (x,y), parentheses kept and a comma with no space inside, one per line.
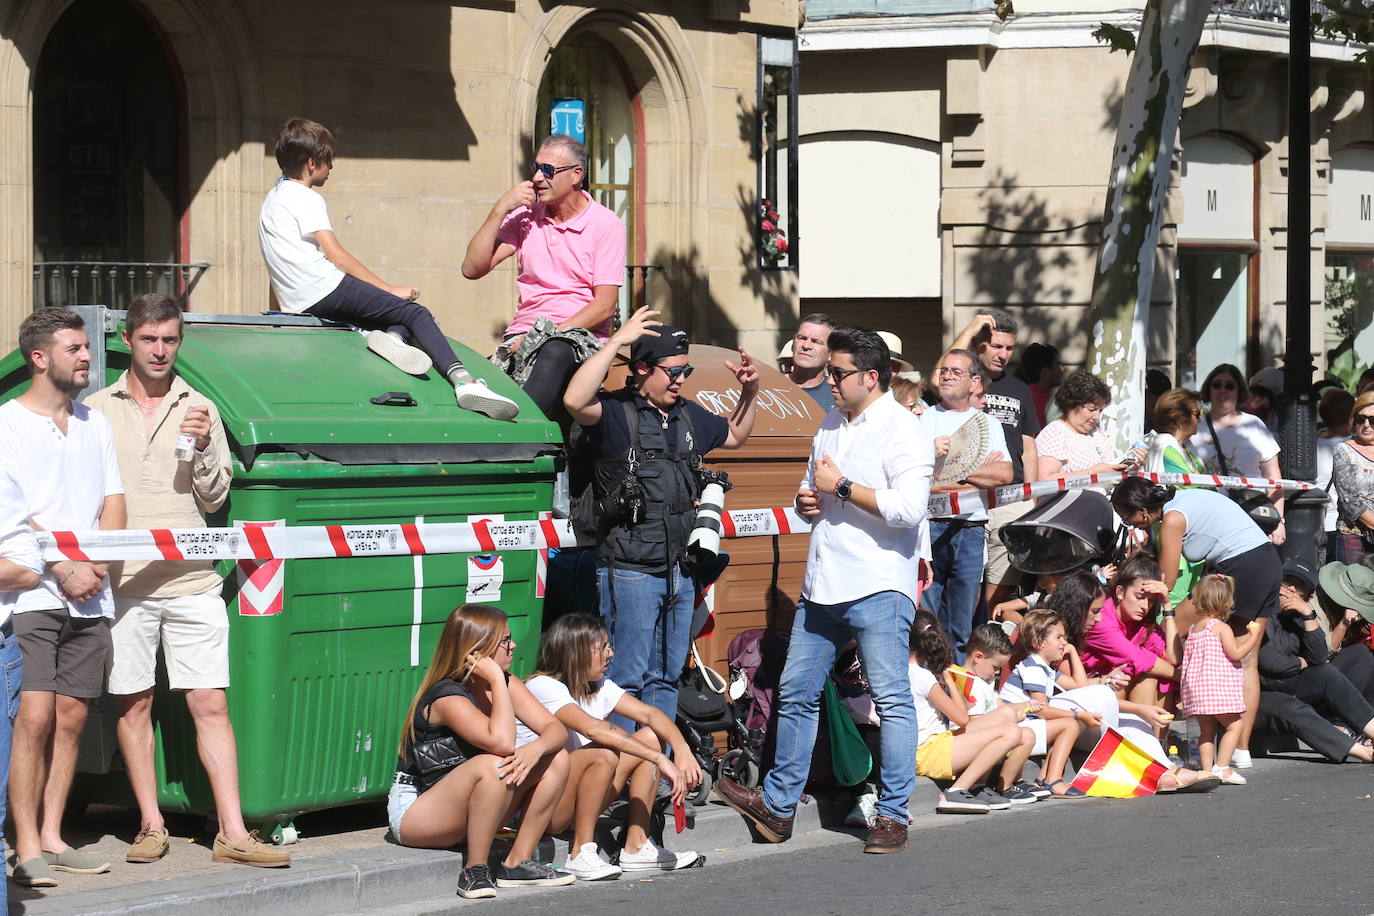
(1363,418)
(676,373)
(551,170)
(839,375)
(1223,385)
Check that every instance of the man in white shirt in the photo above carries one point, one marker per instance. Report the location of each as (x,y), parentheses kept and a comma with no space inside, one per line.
(61,455)
(959,542)
(866,489)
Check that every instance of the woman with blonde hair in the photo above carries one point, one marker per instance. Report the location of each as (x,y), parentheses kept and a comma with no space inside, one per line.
(460,775)
(1352,475)
(571,683)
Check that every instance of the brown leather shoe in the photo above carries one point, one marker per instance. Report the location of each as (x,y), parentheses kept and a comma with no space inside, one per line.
(886,836)
(749,802)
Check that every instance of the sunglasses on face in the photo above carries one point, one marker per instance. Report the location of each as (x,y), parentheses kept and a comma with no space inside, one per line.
(550,170)
(839,375)
(1362,418)
(1223,385)
(677,373)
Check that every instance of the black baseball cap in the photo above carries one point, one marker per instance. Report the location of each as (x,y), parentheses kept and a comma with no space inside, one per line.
(1302,570)
(670,342)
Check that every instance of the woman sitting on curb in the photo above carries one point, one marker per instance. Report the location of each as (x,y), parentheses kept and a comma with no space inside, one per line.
(469,697)
(571,683)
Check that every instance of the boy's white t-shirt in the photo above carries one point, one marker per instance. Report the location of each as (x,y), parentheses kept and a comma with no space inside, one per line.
(301,275)
(64,480)
(929,722)
(555,695)
(984,697)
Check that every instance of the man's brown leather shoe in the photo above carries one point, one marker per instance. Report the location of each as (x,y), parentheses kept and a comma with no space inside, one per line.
(886,836)
(749,802)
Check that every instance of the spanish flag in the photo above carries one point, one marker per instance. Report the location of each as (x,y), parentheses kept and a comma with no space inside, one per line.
(1117,768)
(963,679)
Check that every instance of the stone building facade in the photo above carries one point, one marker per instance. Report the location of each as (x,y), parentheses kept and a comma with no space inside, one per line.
(139,131)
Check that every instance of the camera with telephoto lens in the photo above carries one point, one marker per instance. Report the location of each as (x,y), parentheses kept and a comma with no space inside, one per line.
(706,477)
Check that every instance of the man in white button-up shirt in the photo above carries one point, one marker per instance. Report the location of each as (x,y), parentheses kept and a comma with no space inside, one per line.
(866,489)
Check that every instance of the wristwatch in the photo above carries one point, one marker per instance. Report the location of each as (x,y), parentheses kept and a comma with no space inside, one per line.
(844,489)
(1309,616)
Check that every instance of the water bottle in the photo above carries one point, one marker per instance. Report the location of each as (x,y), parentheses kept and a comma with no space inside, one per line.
(186,444)
(1194,735)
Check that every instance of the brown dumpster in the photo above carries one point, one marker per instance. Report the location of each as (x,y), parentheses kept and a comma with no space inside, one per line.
(763,582)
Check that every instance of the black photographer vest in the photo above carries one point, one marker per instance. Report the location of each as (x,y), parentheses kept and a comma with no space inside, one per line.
(670,489)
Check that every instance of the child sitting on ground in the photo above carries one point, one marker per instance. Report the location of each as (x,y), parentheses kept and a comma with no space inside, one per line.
(312,274)
(1013,609)
(943,754)
(1035,679)
(1212,680)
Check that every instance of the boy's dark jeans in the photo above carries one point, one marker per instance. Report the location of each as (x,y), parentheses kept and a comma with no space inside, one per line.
(356,302)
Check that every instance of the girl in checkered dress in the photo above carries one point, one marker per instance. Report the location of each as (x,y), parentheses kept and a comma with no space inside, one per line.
(1212,681)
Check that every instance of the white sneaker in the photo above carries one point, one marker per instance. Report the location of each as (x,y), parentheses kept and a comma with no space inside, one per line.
(655,858)
(477,397)
(1240,760)
(1228,775)
(587,865)
(865,812)
(399,353)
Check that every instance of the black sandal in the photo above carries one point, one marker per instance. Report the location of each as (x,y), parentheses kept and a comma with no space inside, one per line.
(1070,792)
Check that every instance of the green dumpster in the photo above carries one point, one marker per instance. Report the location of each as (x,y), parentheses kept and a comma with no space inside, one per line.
(324,432)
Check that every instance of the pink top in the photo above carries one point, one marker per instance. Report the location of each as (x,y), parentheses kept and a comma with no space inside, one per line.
(561,264)
(1113,641)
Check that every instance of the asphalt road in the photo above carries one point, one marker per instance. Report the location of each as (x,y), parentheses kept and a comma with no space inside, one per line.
(1293,841)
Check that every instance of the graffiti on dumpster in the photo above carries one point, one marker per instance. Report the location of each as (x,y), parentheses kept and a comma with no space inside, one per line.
(777,401)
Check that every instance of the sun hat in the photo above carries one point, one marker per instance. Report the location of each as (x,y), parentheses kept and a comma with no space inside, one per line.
(894,346)
(1350,586)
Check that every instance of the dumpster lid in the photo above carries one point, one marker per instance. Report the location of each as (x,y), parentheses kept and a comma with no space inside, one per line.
(319,390)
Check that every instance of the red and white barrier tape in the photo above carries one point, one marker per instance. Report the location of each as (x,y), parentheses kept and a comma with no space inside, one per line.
(308,542)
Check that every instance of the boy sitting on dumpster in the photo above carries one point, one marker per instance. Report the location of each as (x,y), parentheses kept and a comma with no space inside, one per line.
(312,274)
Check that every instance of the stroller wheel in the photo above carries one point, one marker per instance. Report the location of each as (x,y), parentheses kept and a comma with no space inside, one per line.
(739,766)
(702,793)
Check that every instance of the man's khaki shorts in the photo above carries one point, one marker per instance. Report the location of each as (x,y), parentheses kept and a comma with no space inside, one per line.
(194,634)
(64,654)
(999,570)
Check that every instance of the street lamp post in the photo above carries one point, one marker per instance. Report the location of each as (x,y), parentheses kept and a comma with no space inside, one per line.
(1298,428)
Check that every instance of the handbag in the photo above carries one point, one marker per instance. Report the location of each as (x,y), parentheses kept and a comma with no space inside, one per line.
(850,758)
(434,758)
(1256,503)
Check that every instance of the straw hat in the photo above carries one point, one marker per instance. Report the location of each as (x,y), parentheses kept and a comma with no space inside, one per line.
(894,344)
(1351,586)
(785,352)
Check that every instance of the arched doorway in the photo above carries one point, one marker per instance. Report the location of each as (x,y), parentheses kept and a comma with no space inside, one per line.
(585,93)
(108,159)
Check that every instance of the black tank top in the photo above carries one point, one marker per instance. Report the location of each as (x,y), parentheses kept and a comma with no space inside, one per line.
(424,731)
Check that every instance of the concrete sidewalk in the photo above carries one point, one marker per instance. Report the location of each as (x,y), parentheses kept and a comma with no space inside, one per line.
(345,861)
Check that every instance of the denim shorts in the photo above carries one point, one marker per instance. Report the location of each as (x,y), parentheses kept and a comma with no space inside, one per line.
(398,802)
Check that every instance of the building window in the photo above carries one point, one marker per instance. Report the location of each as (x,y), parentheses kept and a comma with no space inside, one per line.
(1349,313)
(776,212)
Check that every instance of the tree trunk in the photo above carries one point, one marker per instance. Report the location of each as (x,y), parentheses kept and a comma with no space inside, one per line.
(1150,109)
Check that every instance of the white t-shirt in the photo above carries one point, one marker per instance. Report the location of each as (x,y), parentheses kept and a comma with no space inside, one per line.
(1246,445)
(554,695)
(941,422)
(929,722)
(984,697)
(64,480)
(1326,454)
(301,275)
(17,543)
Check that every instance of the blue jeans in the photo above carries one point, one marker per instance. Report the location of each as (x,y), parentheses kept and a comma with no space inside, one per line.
(882,625)
(650,635)
(957,553)
(12,670)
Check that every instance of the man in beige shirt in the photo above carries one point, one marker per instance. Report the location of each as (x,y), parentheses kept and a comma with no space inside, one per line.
(172,450)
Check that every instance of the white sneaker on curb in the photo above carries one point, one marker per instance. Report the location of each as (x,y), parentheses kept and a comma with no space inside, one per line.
(399,353)
(477,397)
(587,865)
(655,858)
(1240,760)
(865,812)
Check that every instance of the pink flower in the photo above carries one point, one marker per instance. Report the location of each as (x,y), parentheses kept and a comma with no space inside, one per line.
(766,226)
(772,214)
(780,243)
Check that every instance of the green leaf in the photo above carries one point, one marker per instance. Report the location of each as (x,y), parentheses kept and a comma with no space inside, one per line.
(1114,35)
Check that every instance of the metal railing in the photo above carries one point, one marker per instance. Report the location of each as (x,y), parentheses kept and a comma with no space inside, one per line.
(1273,10)
(112,283)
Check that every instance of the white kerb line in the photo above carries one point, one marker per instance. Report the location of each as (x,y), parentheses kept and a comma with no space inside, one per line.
(417,603)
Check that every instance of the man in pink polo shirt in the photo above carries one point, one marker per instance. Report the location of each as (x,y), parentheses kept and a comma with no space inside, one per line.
(571,256)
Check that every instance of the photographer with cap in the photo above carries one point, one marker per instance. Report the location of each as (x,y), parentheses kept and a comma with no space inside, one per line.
(649,442)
